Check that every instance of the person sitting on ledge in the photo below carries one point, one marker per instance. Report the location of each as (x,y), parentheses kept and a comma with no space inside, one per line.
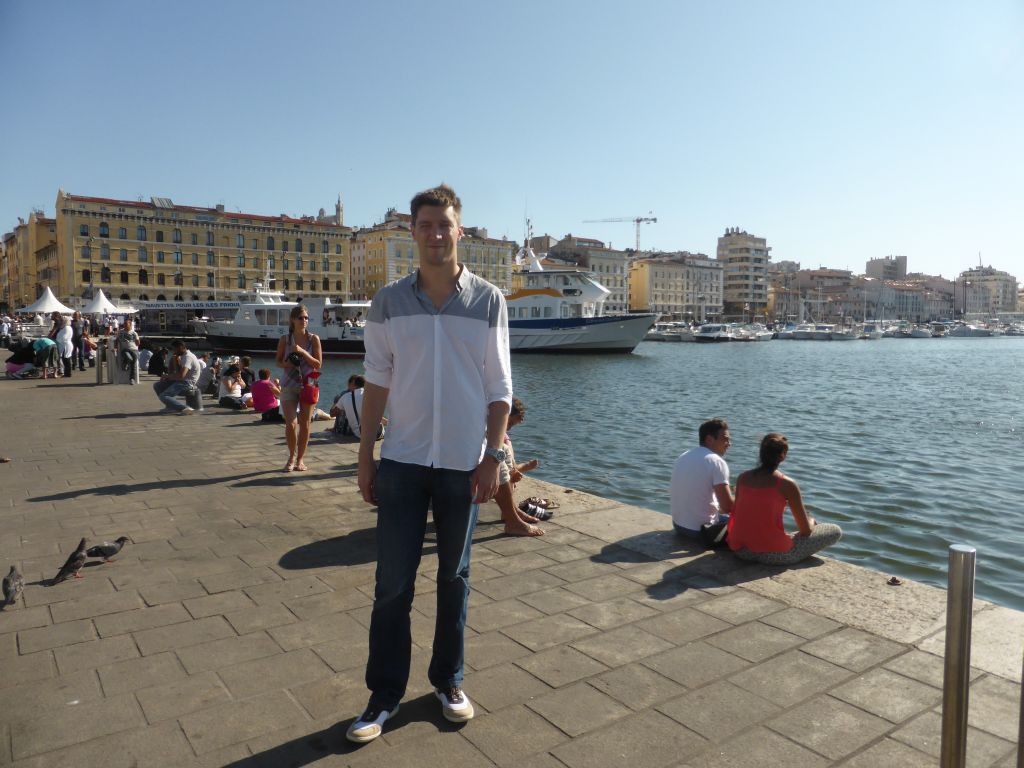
(230,391)
(517,521)
(264,397)
(762,494)
(700,492)
(182,381)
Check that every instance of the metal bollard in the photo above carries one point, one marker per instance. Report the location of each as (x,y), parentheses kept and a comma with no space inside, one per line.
(101,353)
(957,675)
(1020,726)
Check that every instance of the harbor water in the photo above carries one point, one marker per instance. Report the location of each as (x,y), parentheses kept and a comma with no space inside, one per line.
(909,444)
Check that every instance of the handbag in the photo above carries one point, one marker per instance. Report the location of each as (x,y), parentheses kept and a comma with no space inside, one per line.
(310,392)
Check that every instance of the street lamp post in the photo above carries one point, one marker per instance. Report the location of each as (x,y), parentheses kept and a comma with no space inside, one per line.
(89,243)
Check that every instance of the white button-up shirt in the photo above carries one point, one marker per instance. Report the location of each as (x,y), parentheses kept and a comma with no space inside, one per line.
(443,368)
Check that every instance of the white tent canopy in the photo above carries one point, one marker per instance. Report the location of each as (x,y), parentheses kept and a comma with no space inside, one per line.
(101,304)
(46,304)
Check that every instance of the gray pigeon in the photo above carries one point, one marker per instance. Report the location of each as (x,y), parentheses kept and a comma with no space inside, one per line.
(73,565)
(13,584)
(107,549)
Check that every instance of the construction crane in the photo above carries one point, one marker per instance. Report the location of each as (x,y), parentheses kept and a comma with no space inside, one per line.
(637,220)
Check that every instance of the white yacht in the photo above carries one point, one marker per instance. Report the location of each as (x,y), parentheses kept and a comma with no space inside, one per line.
(871,330)
(804,331)
(822,332)
(562,310)
(713,333)
(921,332)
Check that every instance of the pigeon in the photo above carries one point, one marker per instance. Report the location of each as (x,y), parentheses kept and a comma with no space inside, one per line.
(13,584)
(73,565)
(107,549)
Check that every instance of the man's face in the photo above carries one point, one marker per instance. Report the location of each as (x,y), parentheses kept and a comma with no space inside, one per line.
(436,232)
(721,443)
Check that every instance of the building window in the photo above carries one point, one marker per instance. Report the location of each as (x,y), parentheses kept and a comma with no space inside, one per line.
(160,279)
(284,245)
(325,284)
(86,275)
(209,237)
(159,257)
(143,254)
(195,239)
(123,254)
(312,247)
(337,266)
(241,281)
(255,244)
(327,265)
(179,279)
(209,280)
(284,263)
(312,265)
(143,277)
(324,246)
(240,241)
(159,235)
(83,230)
(298,245)
(124,278)
(140,232)
(337,285)
(195,259)
(195,281)
(209,258)
(255,262)
(177,257)
(286,283)
(270,243)
(176,235)
(105,275)
(299,283)
(144,297)
(105,251)
(337,248)
(122,233)
(298,263)
(104,229)
(270,262)
(241,260)
(86,252)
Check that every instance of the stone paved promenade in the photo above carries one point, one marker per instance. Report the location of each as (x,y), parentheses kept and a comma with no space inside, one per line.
(233,629)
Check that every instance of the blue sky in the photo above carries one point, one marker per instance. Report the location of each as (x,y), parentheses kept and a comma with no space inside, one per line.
(840,131)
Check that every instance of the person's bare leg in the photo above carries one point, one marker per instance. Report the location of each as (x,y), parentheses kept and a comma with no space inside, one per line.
(514,524)
(288,408)
(302,439)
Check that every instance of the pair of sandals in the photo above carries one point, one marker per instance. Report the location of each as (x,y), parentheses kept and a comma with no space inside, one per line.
(291,466)
(539,508)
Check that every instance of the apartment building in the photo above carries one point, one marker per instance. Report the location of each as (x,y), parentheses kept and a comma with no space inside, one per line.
(744,258)
(679,285)
(610,267)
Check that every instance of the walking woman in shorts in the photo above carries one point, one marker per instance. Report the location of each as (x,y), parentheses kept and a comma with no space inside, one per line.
(298,354)
(762,495)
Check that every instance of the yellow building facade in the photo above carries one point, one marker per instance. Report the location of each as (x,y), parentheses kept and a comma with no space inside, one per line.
(27,260)
(680,286)
(159,251)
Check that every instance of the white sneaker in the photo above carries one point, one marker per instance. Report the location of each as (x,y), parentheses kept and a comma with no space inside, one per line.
(186,411)
(368,726)
(455,704)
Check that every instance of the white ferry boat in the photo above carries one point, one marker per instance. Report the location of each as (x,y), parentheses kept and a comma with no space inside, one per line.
(562,311)
(263,319)
(554,311)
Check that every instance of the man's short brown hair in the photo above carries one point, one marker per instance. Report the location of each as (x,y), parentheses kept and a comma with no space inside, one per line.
(441,196)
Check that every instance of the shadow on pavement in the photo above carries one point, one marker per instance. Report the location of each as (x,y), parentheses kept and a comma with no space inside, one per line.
(123,489)
(355,548)
(703,568)
(313,747)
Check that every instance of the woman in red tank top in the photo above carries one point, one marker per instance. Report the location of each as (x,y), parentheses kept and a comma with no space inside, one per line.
(762,495)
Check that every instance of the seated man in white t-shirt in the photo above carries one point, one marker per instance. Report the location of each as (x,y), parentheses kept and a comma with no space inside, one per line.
(348,407)
(700,481)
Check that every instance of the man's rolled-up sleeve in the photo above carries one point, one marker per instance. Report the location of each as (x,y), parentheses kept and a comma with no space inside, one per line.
(379,359)
(497,363)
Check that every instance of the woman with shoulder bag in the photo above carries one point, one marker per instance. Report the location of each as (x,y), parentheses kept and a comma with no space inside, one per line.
(300,356)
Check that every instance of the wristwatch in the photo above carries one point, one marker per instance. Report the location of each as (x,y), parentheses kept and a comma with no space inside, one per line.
(498,454)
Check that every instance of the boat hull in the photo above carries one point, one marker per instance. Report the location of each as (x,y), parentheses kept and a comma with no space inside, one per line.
(618,334)
(585,335)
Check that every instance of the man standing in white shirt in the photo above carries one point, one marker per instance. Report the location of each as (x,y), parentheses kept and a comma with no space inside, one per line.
(437,352)
(700,481)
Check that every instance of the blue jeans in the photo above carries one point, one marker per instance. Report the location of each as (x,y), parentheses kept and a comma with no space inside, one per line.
(167,390)
(404,492)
